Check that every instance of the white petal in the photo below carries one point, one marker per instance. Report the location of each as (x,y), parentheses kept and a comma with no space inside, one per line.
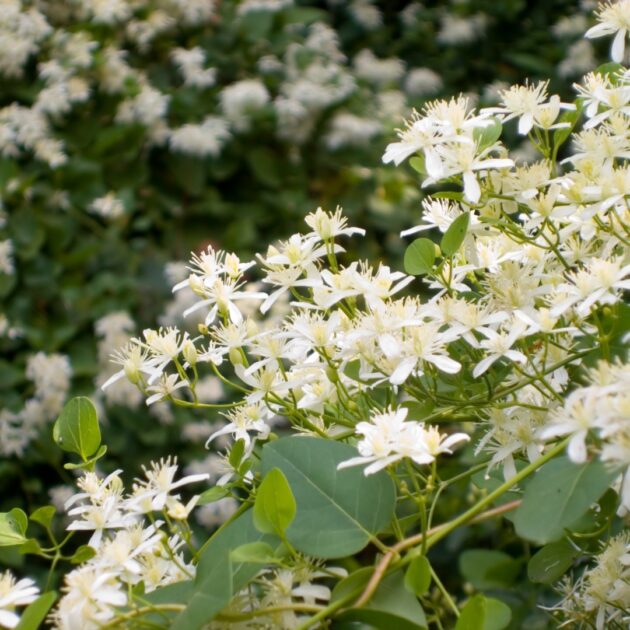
(618,46)
(525,123)
(483,365)
(472,191)
(443,363)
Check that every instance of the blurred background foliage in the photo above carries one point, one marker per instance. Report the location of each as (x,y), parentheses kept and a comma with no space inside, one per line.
(132,133)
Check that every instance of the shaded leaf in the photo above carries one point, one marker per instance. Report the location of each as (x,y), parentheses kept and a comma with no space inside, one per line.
(337,510)
(558,495)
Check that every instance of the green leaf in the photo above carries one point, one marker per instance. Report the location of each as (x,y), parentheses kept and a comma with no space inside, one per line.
(236,454)
(571,117)
(488,568)
(610,68)
(418,576)
(484,613)
(487,136)
(498,614)
(551,562)
(90,461)
(558,495)
(218,576)
(82,554)
(76,429)
(43,515)
(338,511)
(473,614)
(212,494)
(257,552)
(274,508)
(391,606)
(13,526)
(417,163)
(454,236)
(419,257)
(31,546)
(34,615)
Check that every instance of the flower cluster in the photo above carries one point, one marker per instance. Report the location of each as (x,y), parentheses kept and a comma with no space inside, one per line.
(50,375)
(14,593)
(600,598)
(132,545)
(387,438)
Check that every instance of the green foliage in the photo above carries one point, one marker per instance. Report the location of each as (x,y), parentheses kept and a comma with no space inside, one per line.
(484,613)
(488,568)
(219,575)
(76,429)
(391,606)
(488,135)
(13,526)
(419,257)
(551,562)
(570,488)
(455,235)
(34,615)
(346,502)
(418,576)
(274,508)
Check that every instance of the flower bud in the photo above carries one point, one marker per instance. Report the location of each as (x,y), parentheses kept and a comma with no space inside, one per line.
(190,352)
(131,372)
(236,358)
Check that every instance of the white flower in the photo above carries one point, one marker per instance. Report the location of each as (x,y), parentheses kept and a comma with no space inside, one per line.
(160,483)
(207,138)
(613,17)
(498,345)
(243,420)
(14,593)
(388,438)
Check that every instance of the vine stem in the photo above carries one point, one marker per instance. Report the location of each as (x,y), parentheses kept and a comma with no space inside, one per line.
(138,612)
(381,567)
(474,515)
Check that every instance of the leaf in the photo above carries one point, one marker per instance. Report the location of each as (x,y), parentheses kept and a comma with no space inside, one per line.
(551,562)
(418,576)
(35,613)
(610,68)
(391,606)
(218,576)
(31,546)
(487,136)
(13,526)
(484,613)
(488,568)
(236,454)
(417,163)
(83,554)
(455,235)
(338,511)
(212,494)
(76,429)
(257,552)
(43,515)
(274,508)
(571,117)
(419,257)
(90,461)
(498,614)
(558,495)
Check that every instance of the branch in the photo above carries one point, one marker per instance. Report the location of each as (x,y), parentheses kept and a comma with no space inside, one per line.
(382,566)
